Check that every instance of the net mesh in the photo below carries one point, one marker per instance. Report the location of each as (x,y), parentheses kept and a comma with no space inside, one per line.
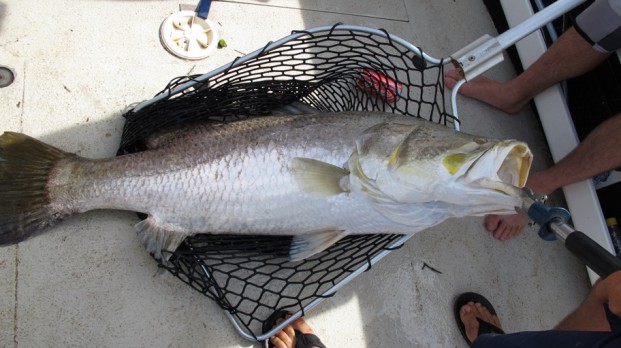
(333,69)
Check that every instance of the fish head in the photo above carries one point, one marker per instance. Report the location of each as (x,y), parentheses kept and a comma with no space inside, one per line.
(426,162)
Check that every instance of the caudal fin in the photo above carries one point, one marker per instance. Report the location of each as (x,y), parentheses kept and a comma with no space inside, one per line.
(25,165)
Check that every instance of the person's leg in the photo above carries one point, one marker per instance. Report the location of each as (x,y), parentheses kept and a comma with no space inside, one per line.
(599,152)
(571,55)
(531,339)
(591,315)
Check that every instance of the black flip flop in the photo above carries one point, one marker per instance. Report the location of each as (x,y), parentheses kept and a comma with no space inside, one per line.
(484,327)
(302,340)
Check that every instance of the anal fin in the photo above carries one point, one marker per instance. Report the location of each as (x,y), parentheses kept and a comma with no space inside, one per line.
(308,244)
(156,238)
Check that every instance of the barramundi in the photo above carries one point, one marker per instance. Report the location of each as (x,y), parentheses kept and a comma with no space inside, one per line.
(315,177)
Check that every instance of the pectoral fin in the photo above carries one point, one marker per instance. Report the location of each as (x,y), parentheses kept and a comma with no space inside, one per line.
(319,178)
(156,238)
(308,244)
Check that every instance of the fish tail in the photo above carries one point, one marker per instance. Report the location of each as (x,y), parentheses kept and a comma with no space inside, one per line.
(25,207)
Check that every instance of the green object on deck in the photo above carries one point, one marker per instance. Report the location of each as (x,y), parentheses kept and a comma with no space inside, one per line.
(221,43)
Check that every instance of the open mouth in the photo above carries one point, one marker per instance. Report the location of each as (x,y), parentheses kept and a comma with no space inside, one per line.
(514,169)
(513,172)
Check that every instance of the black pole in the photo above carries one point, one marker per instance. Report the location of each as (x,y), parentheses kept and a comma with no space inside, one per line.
(592,254)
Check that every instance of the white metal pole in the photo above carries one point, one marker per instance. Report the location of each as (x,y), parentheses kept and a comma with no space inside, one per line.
(538,20)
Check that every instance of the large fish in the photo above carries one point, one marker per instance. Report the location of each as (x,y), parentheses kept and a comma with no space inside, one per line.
(317,177)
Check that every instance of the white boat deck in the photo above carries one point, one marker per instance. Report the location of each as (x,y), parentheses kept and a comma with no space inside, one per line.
(89,283)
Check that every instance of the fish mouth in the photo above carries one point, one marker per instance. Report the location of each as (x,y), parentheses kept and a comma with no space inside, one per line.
(512,173)
(516,165)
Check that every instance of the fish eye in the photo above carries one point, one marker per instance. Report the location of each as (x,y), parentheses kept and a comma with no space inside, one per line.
(479,141)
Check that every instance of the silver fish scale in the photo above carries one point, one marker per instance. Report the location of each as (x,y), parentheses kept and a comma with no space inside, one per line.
(284,175)
(231,178)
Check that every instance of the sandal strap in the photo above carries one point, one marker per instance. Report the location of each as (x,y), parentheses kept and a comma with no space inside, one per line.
(486,328)
(307,340)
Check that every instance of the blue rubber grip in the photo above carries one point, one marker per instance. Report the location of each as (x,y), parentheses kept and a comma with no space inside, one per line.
(543,215)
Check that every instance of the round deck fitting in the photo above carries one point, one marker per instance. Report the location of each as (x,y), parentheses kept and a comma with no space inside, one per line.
(188,36)
(7,76)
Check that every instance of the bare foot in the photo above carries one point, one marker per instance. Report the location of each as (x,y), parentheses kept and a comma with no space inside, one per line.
(491,92)
(469,314)
(505,227)
(285,338)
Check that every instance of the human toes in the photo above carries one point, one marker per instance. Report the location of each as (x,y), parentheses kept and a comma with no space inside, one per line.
(491,222)
(480,311)
(505,227)
(469,314)
(468,318)
(504,231)
(284,338)
(451,77)
(510,226)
